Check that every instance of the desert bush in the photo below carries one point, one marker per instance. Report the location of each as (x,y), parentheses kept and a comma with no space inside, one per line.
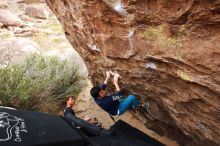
(38,83)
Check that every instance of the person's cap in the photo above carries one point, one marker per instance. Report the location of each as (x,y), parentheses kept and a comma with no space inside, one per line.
(103,86)
(95,91)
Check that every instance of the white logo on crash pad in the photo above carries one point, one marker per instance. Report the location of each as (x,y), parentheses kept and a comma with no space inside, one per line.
(11,127)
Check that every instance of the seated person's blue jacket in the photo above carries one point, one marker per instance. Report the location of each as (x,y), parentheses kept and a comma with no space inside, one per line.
(110,103)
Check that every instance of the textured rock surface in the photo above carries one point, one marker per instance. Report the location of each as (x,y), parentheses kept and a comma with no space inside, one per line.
(168,53)
(30,1)
(36,12)
(3,4)
(15,49)
(9,19)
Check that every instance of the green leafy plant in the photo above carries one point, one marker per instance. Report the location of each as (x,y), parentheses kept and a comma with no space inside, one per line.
(38,83)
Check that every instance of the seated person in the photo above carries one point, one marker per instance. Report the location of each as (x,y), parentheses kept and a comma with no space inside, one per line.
(113,104)
(70,102)
(78,123)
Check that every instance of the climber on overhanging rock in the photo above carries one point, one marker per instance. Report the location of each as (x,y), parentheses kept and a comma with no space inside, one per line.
(116,103)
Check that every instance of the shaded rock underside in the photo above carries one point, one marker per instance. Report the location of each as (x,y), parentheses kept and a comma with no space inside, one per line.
(168,53)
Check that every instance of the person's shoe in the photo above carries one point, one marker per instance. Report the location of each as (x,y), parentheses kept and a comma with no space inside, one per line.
(133,109)
(144,106)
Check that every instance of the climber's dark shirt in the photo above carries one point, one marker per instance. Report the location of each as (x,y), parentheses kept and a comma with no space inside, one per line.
(111,102)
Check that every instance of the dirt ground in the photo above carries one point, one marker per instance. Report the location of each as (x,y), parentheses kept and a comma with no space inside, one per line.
(85,106)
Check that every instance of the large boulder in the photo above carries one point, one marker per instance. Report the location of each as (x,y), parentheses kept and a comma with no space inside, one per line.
(31,1)
(9,19)
(15,49)
(168,53)
(26,32)
(37,12)
(3,4)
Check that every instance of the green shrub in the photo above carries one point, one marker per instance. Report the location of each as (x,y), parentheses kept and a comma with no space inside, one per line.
(38,83)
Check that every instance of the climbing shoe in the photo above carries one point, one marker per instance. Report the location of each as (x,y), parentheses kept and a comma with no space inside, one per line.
(144,106)
(141,108)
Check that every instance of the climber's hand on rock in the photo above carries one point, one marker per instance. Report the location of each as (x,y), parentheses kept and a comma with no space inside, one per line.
(116,76)
(107,77)
(108,74)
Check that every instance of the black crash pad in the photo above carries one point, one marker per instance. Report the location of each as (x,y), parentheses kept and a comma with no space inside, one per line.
(124,135)
(25,128)
(28,128)
(123,129)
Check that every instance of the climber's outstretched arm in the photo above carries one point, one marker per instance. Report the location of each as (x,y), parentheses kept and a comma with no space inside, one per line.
(116,76)
(107,77)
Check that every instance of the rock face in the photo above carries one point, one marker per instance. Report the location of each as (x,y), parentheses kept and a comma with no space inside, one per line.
(36,12)
(9,19)
(15,49)
(31,1)
(3,4)
(167,51)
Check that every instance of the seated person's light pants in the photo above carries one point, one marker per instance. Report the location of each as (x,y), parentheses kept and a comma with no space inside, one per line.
(128,102)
